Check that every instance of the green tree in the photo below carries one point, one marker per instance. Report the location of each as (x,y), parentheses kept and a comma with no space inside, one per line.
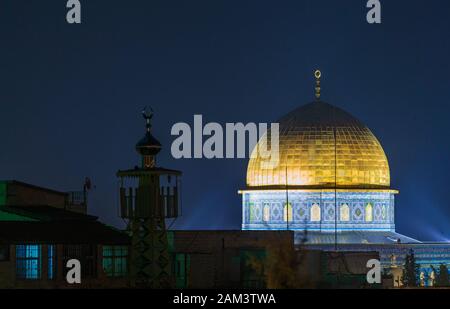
(281,267)
(410,275)
(441,276)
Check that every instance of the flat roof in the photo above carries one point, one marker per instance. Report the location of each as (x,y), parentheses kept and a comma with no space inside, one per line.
(24,184)
(61,232)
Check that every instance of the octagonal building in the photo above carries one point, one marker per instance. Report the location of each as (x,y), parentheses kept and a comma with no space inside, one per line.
(332,175)
(332,188)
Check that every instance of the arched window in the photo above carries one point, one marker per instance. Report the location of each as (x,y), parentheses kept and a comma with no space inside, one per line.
(315,212)
(252,209)
(369,212)
(266,213)
(287,213)
(345,212)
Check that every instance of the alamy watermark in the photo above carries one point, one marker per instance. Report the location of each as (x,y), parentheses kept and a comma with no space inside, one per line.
(374,273)
(236,140)
(73,15)
(74,273)
(374,14)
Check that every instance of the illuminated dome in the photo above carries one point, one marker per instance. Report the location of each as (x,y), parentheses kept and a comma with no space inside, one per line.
(308,156)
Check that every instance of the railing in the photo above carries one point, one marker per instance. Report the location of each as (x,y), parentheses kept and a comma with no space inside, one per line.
(76,198)
(147,202)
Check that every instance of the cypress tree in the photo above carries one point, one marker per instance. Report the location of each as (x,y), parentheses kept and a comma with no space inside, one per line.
(410,271)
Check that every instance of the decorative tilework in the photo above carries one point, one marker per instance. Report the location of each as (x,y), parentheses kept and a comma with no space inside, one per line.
(255,217)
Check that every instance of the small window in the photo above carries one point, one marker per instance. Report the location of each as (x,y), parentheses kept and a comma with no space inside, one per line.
(51,260)
(315,212)
(345,212)
(287,212)
(266,214)
(252,212)
(369,213)
(28,261)
(115,261)
(182,263)
(86,254)
(383,212)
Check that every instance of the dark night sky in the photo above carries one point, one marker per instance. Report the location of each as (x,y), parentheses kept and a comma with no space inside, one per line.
(71,95)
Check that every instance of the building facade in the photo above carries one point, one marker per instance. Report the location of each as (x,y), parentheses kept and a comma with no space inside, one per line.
(42,229)
(250,259)
(332,188)
(314,210)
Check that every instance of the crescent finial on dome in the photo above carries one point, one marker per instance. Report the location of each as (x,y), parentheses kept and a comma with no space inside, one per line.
(147,113)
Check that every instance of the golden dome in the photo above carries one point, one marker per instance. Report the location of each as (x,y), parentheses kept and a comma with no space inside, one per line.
(307,152)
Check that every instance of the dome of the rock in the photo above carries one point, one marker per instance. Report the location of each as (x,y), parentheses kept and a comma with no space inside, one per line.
(309,150)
